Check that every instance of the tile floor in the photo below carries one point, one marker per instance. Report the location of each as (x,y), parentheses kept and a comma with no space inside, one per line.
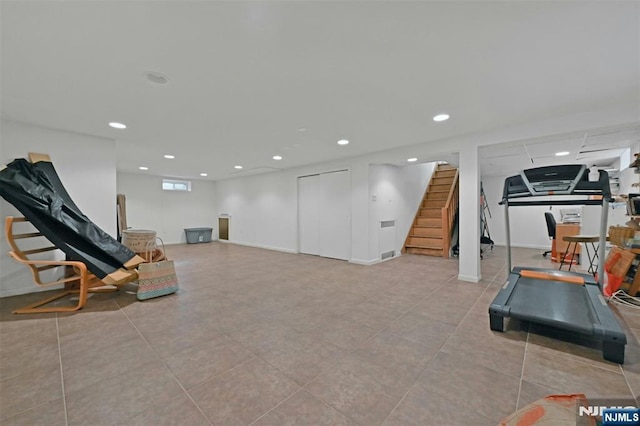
(268,338)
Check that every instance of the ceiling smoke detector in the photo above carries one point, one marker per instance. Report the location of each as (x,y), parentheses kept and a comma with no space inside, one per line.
(156,77)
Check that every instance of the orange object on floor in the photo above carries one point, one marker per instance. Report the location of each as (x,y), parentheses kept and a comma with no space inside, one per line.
(553,410)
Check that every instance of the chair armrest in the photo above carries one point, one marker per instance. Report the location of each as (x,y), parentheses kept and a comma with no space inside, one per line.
(35,266)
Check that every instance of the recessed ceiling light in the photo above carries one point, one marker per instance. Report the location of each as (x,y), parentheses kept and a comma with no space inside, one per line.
(169,156)
(116,125)
(143,168)
(277,157)
(562,153)
(302,129)
(441,117)
(343,142)
(237,167)
(411,160)
(203,174)
(156,77)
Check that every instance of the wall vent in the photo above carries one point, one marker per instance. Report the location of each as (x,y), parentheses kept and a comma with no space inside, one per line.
(388,255)
(387,239)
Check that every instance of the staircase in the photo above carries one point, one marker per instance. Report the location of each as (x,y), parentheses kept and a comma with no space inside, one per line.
(431,231)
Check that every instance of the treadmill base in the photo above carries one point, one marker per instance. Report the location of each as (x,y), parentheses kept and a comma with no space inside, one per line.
(580,310)
(612,351)
(496,322)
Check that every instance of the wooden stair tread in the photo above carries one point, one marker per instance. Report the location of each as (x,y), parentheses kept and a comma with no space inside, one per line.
(422,250)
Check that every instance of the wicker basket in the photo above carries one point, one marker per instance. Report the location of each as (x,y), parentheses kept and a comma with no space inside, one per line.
(138,240)
(619,234)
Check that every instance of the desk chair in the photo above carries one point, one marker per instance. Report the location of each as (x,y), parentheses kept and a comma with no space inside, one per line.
(551,230)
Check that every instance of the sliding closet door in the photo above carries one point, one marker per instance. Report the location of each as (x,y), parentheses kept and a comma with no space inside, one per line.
(324,219)
(309,214)
(335,221)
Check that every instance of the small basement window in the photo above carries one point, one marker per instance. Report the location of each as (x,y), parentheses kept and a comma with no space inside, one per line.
(176,185)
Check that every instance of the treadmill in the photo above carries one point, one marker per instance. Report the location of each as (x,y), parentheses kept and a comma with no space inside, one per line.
(566,300)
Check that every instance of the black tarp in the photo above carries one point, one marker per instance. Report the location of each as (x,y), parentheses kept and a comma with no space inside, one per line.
(37,192)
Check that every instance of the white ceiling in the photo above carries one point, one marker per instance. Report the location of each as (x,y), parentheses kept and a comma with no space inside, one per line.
(245,77)
(600,147)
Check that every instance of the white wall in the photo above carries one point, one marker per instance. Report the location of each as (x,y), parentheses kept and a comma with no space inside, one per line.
(167,212)
(264,208)
(87,168)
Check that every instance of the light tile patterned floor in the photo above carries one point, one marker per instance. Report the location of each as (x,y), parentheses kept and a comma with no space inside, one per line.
(268,338)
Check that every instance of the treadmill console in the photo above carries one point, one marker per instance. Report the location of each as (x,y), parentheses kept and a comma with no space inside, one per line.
(553,180)
(563,180)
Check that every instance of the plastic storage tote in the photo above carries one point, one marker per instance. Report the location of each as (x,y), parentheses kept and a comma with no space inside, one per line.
(198,235)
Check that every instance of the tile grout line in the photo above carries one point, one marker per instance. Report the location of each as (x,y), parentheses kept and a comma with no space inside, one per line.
(64,394)
(254,356)
(412,384)
(439,349)
(524,359)
(352,351)
(319,398)
(165,365)
(277,405)
(348,351)
(580,359)
(401,315)
(437,352)
(628,384)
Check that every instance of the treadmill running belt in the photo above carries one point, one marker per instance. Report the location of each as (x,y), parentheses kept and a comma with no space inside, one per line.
(553,303)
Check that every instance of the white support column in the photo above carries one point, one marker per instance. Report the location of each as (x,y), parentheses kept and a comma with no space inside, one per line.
(360,213)
(469,216)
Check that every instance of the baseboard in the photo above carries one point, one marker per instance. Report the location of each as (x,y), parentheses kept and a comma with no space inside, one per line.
(531,246)
(469,278)
(284,250)
(365,262)
(27,290)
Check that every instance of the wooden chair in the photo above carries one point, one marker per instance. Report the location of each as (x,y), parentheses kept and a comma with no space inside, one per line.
(75,276)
